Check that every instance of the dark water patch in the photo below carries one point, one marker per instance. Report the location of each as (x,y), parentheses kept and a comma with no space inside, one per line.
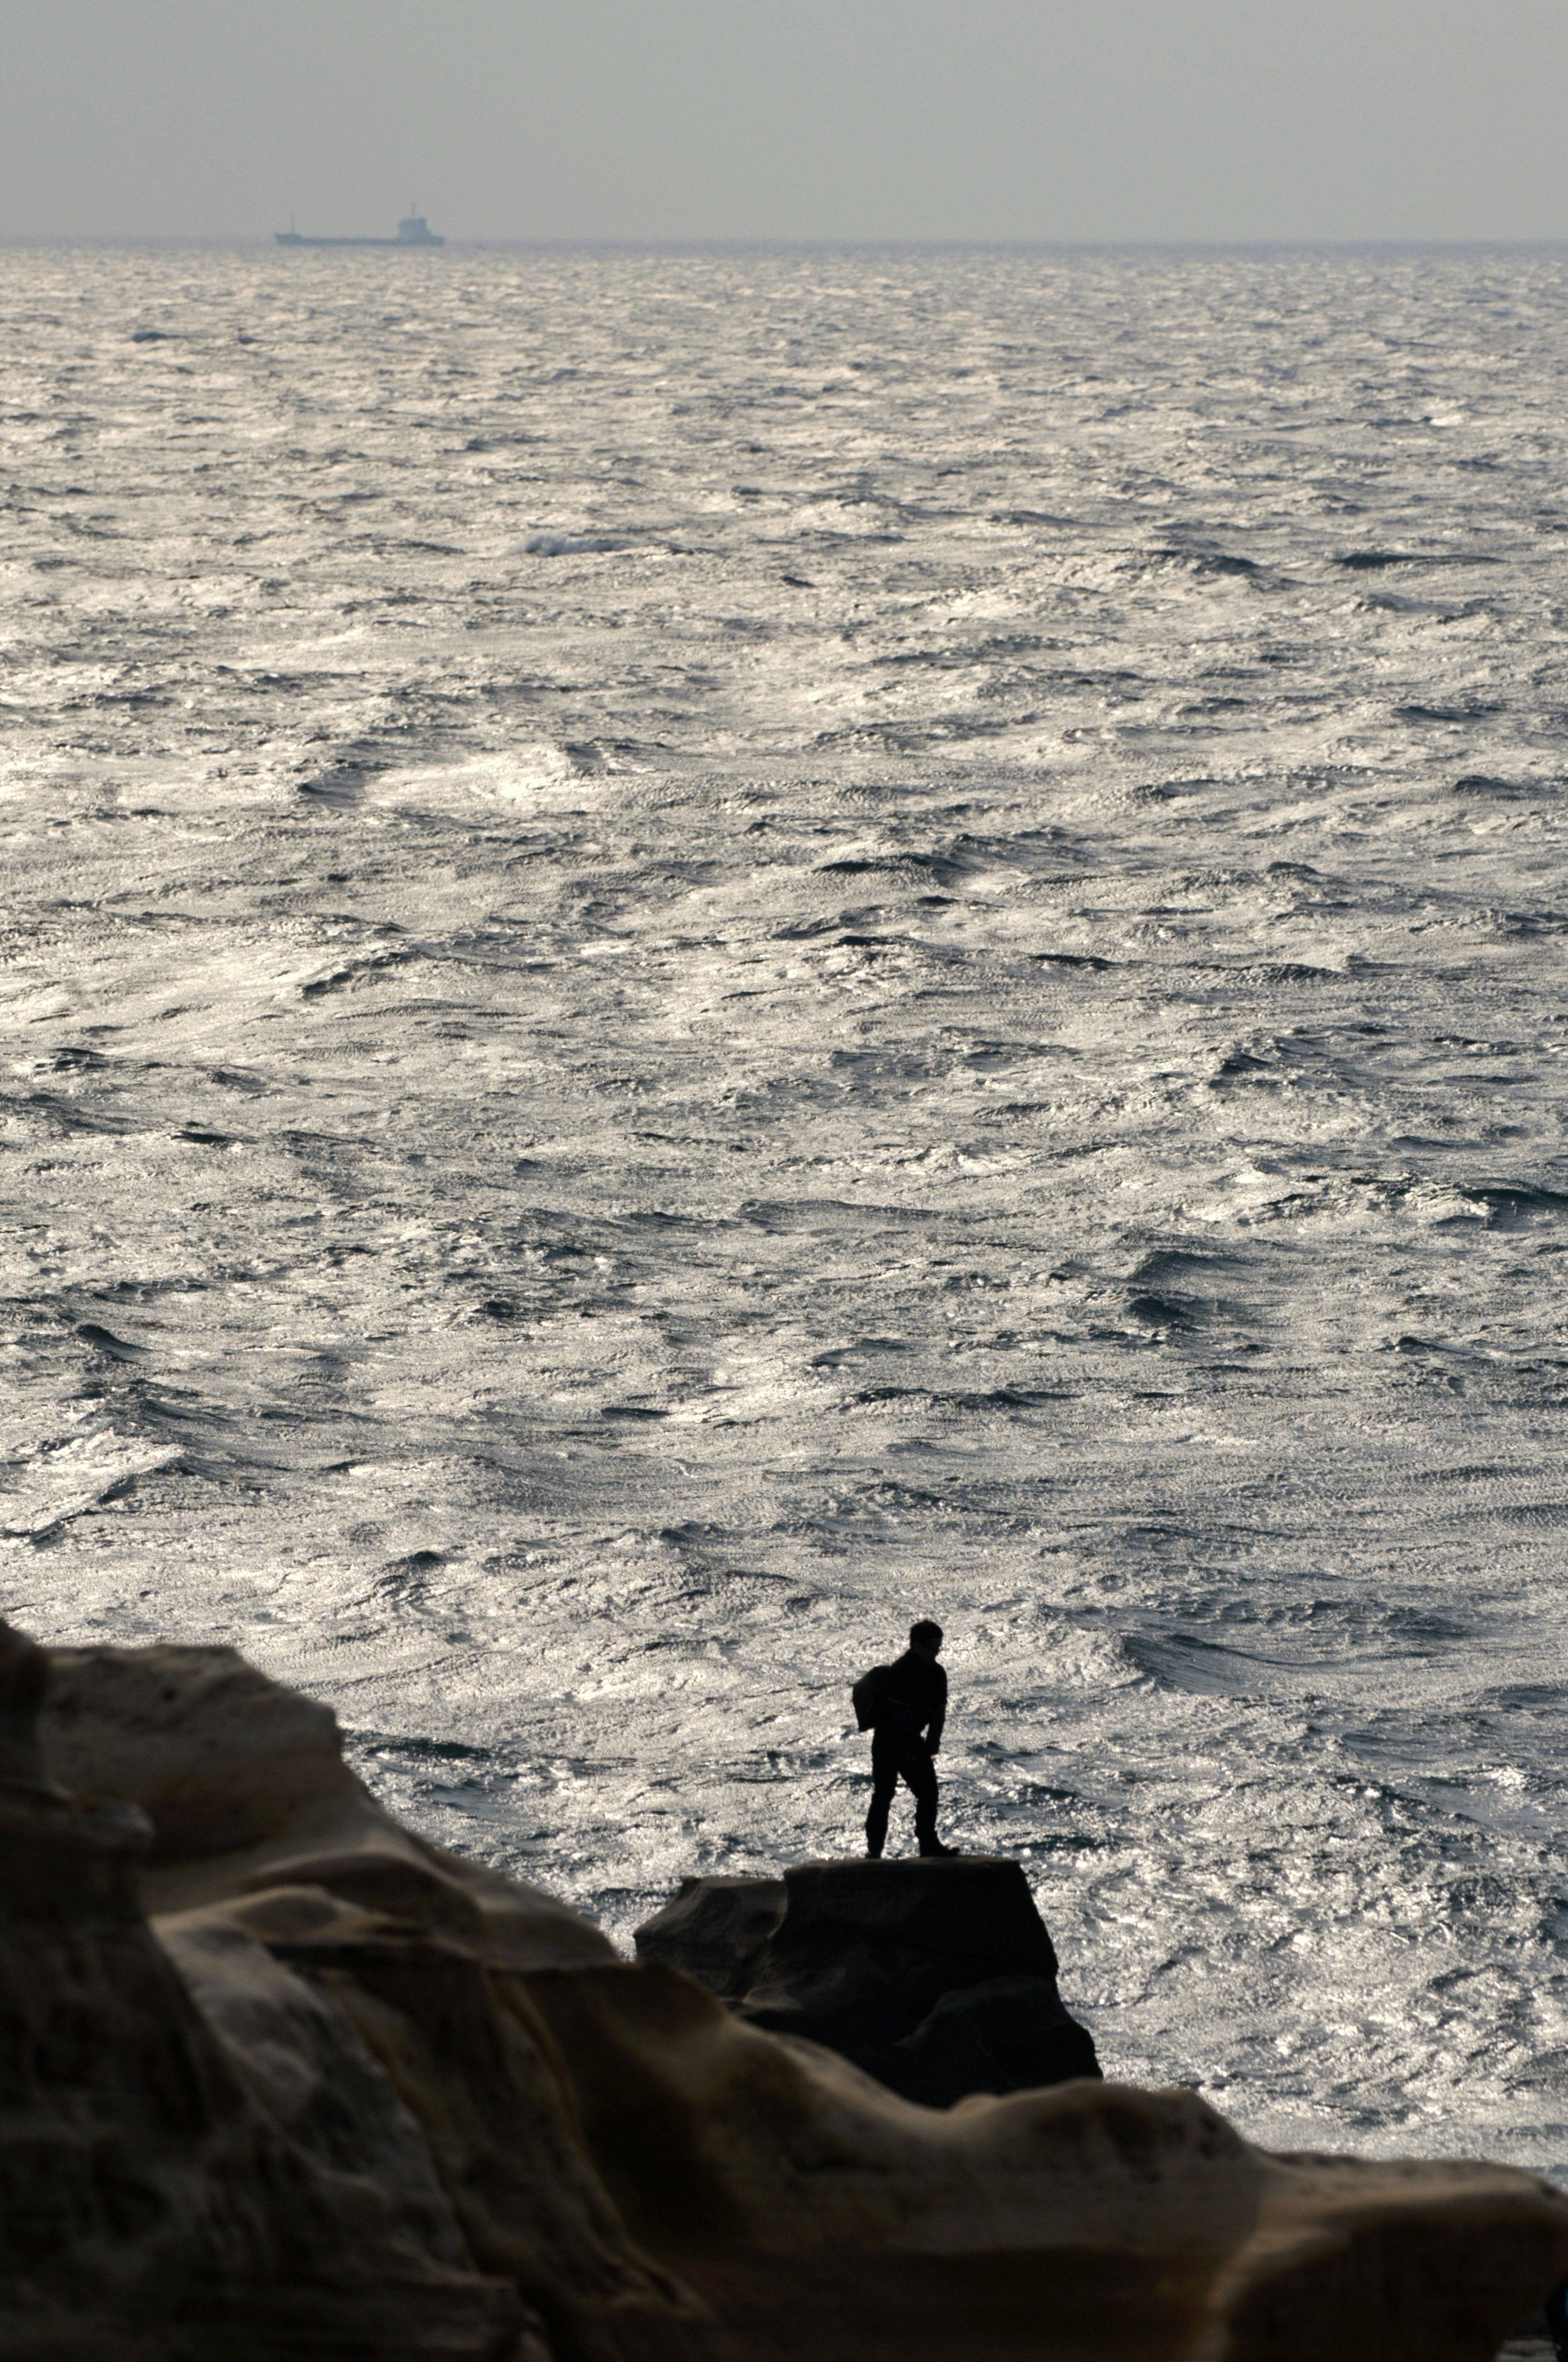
(633,1410)
(655,1218)
(69,1113)
(1158,1311)
(1526,1697)
(1420,1626)
(730,1584)
(103,1341)
(339,789)
(1031,1796)
(1009,1398)
(837,1355)
(1241,1066)
(1207,561)
(1516,1204)
(188,1413)
(995,1057)
(1482,783)
(986,1399)
(1524,925)
(1180,1262)
(1261,971)
(881,1065)
(888,1493)
(1185,1660)
(943,867)
(961,658)
(420,1750)
(1368,561)
(1472,709)
(1473,1472)
(365,969)
(408,1579)
(806,930)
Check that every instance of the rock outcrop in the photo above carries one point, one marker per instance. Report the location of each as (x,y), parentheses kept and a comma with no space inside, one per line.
(245,1788)
(715,1929)
(938,1977)
(343,2096)
(823,2217)
(149,2206)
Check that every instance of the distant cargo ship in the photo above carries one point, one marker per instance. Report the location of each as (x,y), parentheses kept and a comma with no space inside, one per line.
(413,230)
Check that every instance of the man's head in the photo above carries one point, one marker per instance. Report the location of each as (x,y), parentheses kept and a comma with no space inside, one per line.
(925,1639)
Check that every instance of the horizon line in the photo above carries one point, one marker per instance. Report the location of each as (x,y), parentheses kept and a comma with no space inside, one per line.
(708,242)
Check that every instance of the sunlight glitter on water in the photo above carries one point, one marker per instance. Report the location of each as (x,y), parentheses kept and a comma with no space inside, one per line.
(705,950)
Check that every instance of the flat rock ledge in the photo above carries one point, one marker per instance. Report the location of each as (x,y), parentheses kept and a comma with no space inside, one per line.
(279,2083)
(938,1977)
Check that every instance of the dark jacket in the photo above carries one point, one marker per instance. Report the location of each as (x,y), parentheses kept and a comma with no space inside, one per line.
(914,1702)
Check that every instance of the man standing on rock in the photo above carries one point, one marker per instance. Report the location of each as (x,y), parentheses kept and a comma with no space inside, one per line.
(904,1705)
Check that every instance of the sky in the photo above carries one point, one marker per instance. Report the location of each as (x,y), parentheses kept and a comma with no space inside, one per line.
(787,119)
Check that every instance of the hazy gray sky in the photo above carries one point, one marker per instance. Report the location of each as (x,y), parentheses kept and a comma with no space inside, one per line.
(788,118)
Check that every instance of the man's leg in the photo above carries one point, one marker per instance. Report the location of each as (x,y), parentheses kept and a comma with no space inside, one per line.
(884,1781)
(921,1774)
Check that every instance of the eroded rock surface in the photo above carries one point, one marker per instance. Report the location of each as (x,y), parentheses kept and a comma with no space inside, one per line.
(938,1977)
(345,2097)
(245,1785)
(715,1929)
(150,2206)
(822,2215)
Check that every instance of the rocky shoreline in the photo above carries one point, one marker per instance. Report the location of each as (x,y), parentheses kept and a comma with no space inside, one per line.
(279,2080)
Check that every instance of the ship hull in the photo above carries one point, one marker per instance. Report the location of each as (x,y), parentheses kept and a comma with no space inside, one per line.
(404,245)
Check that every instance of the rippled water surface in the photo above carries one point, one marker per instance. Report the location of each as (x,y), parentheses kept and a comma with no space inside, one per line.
(704,950)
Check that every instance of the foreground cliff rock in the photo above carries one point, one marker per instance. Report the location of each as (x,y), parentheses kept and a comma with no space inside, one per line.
(277,2080)
(938,1977)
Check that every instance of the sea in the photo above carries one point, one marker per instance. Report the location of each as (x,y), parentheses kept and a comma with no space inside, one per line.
(704,949)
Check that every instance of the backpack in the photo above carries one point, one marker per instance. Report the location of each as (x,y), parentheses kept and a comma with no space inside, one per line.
(868,1693)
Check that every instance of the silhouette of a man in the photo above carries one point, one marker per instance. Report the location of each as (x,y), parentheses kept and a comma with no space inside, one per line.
(905,1734)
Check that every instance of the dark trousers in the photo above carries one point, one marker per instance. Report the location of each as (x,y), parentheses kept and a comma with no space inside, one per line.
(895,1758)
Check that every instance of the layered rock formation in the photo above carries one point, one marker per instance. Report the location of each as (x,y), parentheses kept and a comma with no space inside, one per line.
(341,2095)
(938,1977)
(151,2204)
(245,1786)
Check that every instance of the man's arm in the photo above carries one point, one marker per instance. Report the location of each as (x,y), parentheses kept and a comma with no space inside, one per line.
(939,1715)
